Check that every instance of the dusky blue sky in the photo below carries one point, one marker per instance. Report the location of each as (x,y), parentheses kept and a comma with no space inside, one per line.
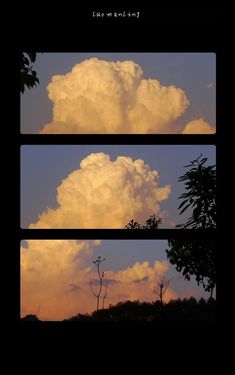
(195,73)
(44,166)
(121,254)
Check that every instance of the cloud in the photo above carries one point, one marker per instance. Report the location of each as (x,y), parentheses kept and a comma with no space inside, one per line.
(74,288)
(99,96)
(56,274)
(198,126)
(105,194)
(48,270)
(137,282)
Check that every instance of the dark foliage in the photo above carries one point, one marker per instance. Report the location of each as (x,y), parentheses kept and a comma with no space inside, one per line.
(197,257)
(28,76)
(152,223)
(194,257)
(30,317)
(176,310)
(200,195)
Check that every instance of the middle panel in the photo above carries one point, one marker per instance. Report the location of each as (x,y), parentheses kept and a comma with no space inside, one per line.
(105,187)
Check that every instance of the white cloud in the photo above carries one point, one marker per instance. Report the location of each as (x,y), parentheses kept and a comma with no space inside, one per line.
(99,96)
(105,194)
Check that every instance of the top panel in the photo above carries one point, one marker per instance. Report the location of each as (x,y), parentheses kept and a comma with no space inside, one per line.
(121,93)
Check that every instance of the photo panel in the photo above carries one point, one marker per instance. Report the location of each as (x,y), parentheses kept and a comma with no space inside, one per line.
(118,186)
(117,280)
(121,93)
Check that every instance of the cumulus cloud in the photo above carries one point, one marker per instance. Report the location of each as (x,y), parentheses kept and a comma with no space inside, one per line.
(99,96)
(137,282)
(105,194)
(56,274)
(48,270)
(198,126)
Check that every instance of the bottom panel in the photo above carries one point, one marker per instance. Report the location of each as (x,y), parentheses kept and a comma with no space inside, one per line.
(117,280)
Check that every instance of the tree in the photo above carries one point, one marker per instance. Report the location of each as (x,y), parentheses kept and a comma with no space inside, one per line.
(97,263)
(27,75)
(194,258)
(151,223)
(197,257)
(105,293)
(200,185)
(161,287)
(133,225)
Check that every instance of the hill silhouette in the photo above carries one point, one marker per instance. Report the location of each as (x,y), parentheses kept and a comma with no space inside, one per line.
(188,309)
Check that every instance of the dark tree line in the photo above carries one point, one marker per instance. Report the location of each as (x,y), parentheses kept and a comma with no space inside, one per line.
(175,310)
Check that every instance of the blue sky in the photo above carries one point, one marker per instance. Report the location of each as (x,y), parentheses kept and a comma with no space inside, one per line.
(44,167)
(192,72)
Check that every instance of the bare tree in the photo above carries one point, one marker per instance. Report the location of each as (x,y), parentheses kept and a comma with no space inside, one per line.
(97,263)
(105,293)
(38,310)
(161,287)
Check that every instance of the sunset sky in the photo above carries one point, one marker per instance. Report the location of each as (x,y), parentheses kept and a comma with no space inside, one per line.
(106,195)
(55,275)
(122,93)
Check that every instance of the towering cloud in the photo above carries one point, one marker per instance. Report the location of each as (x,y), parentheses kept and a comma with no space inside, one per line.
(105,194)
(56,274)
(198,126)
(99,96)
(49,271)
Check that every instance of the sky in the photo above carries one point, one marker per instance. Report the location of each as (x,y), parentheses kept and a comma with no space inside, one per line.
(45,168)
(56,274)
(145,93)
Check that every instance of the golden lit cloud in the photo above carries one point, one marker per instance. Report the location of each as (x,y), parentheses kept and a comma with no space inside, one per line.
(105,194)
(49,270)
(198,126)
(99,96)
(137,282)
(56,274)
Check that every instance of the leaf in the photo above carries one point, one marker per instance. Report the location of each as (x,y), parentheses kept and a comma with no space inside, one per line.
(32,56)
(185,208)
(182,203)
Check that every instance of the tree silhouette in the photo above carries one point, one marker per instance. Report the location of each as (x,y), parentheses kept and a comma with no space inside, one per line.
(188,309)
(97,263)
(28,77)
(161,287)
(133,225)
(190,256)
(200,185)
(105,293)
(152,223)
(194,258)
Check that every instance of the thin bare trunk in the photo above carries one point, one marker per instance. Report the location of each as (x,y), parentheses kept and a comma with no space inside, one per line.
(97,295)
(105,294)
